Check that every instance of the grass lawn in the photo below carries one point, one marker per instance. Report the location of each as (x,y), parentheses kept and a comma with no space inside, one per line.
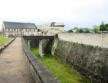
(62,71)
(4,40)
(0,33)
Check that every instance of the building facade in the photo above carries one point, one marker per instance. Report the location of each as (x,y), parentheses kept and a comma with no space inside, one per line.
(52,28)
(18,29)
(15,29)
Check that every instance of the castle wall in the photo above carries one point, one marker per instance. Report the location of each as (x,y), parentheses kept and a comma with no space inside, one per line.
(85,53)
(100,40)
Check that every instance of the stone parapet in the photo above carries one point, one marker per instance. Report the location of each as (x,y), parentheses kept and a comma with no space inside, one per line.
(40,73)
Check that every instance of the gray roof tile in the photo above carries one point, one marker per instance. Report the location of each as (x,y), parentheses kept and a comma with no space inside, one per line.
(19,25)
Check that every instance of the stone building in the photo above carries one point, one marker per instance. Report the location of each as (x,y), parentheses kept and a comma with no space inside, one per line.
(17,29)
(52,28)
(13,29)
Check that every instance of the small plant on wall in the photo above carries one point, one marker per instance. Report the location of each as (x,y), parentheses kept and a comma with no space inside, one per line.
(73,43)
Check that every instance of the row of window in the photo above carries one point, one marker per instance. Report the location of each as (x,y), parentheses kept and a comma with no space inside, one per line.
(27,30)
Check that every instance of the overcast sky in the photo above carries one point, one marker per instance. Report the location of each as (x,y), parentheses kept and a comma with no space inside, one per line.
(79,13)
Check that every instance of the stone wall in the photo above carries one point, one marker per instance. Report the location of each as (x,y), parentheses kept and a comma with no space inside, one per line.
(86,38)
(40,73)
(92,61)
(45,46)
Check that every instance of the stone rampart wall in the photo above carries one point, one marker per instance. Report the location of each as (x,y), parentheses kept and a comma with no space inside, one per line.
(86,38)
(92,61)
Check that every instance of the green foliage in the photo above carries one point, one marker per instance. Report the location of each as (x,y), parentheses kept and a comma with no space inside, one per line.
(48,46)
(69,31)
(87,30)
(95,29)
(103,27)
(0,33)
(80,30)
(106,27)
(4,40)
(63,72)
(73,43)
(35,51)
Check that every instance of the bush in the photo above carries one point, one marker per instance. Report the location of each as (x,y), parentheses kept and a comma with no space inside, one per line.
(96,30)
(69,31)
(79,31)
(87,30)
(103,27)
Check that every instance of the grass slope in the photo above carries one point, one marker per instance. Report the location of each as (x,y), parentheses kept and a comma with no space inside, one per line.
(0,33)
(62,71)
(3,40)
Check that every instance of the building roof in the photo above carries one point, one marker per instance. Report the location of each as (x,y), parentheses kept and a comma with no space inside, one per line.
(57,24)
(18,25)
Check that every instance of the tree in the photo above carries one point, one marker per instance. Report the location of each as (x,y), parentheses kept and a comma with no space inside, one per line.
(96,28)
(87,30)
(79,31)
(102,27)
(106,27)
(69,31)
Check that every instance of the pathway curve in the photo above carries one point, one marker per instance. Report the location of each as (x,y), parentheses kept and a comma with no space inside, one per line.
(13,66)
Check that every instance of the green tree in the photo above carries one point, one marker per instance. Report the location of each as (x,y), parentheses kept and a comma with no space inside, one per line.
(102,27)
(87,30)
(69,31)
(79,30)
(96,28)
(106,27)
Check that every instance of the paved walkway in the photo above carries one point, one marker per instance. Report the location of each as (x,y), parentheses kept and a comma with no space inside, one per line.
(13,67)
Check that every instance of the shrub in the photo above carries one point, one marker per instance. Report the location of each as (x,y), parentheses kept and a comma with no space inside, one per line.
(87,30)
(73,43)
(79,31)
(96,30)
(103,27)
(69,31)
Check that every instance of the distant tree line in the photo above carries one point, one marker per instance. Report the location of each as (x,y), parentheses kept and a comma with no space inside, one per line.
(95,29)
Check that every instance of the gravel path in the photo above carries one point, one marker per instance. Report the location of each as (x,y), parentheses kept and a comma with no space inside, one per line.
(13,66)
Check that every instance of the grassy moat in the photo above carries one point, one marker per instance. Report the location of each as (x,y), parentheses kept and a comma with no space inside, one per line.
(63,72)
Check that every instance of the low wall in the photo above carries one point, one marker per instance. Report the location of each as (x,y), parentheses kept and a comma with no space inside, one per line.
(40,73)
(92,61)
(6,44)
(86,38)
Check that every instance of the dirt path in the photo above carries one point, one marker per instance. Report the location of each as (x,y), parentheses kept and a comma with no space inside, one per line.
(13,67)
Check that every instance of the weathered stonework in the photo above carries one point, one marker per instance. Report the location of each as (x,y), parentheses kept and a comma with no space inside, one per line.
(40,73)
(92,61)
(45,46)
